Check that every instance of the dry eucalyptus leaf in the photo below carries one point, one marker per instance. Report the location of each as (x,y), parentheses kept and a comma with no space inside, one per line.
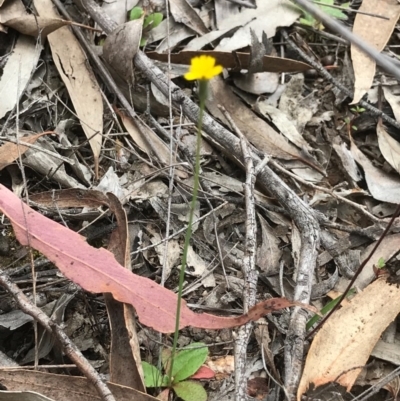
(17,72)
(78,77)
(269,253)
(63,387)
(389,147)
(346,340)
(12,9)
(376,32)
(32,25)
(23,396)
(121,46)
(382,186)
(257,131)
(281,121)
(144,137)
(348,162)
(184,13)
(393,100)
(265,18)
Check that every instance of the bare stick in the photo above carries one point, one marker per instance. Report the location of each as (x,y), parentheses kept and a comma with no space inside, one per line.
(248,267)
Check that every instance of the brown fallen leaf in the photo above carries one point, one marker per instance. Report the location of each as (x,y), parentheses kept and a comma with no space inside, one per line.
(234,60)
(79,79)
(96,270)
(375,31)
(63,387)
(184,13)
(256,130)
(34,26)
(148,141)
(10,152)
(121,46)
(125,362)
(345,342)
(389,147)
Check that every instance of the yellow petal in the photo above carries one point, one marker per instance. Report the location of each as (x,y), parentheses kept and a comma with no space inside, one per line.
(191,76)
(203,67)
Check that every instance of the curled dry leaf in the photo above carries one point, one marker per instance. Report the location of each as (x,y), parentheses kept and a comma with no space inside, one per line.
(96,270)
(381,185)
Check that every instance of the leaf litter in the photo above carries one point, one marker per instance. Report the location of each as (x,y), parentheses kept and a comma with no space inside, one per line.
(338,158)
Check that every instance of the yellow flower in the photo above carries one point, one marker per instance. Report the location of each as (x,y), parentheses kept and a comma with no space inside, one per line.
(203,68)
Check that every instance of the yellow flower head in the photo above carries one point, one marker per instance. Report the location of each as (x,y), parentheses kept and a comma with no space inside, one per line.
(203,68)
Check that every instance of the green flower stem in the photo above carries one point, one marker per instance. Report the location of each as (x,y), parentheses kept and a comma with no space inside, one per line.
(202,98)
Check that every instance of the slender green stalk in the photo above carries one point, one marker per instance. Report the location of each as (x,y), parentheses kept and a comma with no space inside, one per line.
(202,98)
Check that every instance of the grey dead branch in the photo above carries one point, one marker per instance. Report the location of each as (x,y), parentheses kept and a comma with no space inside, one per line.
(295,185)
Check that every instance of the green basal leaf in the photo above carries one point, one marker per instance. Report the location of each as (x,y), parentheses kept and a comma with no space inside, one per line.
(152,20)
(152,376)
(327,308)
(190,391)
(309,20)
(381,263)
(334,12)
(188,361)
(143,42)
(135,13)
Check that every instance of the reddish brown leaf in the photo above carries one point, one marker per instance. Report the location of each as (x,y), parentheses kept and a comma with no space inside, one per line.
(96,270)
(9,152)
(203,373)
